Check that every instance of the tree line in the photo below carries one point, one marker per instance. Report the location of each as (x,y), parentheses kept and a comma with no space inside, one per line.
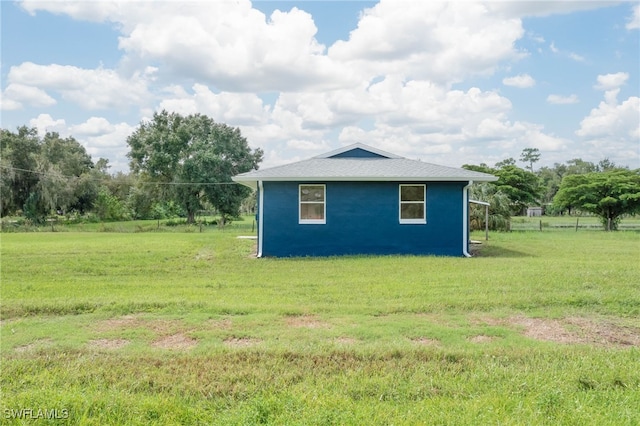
(180,165)
(603,189)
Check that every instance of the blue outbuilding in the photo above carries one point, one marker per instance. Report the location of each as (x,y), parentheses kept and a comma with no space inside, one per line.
(362,200)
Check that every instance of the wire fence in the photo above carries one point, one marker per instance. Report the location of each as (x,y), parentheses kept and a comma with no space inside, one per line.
(564,223)
(245,224)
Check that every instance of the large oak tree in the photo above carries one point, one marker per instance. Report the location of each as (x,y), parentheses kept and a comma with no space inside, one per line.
(193,158)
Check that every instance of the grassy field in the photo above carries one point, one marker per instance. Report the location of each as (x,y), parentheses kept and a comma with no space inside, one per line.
(189,328)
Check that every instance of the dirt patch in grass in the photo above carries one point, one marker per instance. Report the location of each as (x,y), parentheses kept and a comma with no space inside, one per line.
(108,343)
(133,321)
(346,340)
(33,345)
(436,318)
(222,324)
(127,321)
(241,342)
(306,321)
(487,320)
(571,330)
(550,330)
(170,333)
(175,341)
(165,326)
(482,338)
(205,255)
(604,332)
(426,341)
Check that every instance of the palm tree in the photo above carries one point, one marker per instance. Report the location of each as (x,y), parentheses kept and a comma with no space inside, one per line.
(499,209)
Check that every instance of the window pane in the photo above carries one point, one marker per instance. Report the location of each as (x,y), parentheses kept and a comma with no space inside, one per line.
(311,211)
(312,193)
(412,211)
(412,193)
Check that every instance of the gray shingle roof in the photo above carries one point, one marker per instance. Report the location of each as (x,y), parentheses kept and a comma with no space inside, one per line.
(361,169)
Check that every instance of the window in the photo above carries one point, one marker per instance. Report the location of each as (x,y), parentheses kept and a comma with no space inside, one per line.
(413,203)
(312,204)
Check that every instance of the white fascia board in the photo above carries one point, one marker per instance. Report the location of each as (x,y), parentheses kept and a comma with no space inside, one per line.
(251,181)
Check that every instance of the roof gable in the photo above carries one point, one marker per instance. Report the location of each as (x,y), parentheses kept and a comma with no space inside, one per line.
(358,153)
(360,162)
(358,150)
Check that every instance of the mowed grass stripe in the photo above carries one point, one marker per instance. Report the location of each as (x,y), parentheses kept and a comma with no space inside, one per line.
(119,272)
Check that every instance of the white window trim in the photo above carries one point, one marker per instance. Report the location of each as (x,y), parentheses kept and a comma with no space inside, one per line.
(302,221)
(421,221)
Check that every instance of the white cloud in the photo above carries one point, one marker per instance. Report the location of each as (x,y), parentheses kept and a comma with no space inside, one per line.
(571,55)
(7,104)
(522,81)
(466,147)
(97,11)
(611,84)
(45,123)
(225,44)
(611,81)
(436,125)
(417,119)
(307,145)
(535,137)
(94,126)
(536,37)
(414,118)
(562,100)
(233,47)
(612,130)
(613,121)
(106,140)
(16,96)
(460,39)
(441,42)
(634,20)
(91,89)
(576,57)
(231,108)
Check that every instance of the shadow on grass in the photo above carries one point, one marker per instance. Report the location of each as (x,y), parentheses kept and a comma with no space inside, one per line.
(498,252)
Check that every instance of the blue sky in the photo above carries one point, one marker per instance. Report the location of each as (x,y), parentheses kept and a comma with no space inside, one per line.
(448,83)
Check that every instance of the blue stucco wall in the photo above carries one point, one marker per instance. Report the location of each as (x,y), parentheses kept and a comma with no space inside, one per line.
(361,218)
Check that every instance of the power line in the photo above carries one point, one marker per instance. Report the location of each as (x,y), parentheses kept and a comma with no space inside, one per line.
(103,180)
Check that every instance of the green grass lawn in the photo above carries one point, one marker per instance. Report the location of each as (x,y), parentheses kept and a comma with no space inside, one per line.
(189,328)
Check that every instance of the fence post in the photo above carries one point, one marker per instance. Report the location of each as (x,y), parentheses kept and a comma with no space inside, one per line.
(540,225)
(486,223)
(577,221)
